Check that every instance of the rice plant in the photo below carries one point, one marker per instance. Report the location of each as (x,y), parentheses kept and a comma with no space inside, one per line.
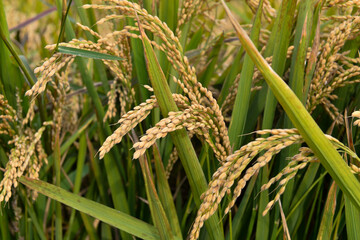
(179,119)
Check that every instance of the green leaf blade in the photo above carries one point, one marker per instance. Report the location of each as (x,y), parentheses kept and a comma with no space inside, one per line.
(106,214)
(87,54)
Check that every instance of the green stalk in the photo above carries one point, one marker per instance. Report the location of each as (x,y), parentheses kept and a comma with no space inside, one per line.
(168,12)
(139,64)
(16,57)
(97,173)
(184,32)
(165,194)
(352,216)
(238,120)
(64,12)
(69,141)
(296,82)
(296,213)
(302,120)
(326,225)
(180,138)
(242,100)
(9,76)
(352,220)
(88,224)
(230,78)
(159,217)
(239,221)
(32,214)
(4,225)
(315,32)
(279,56)
(57,164)
(301,42)
(213,57)
(78,177)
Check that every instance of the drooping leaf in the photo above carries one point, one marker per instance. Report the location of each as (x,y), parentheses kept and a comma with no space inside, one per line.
(87,54)
(106,214)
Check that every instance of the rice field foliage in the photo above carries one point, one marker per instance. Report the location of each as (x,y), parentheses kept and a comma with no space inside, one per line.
(177,119)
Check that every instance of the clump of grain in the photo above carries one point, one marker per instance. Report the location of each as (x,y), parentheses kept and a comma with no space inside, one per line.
(47,70)
(236,169)
(356,114)
(233,167)
(172,48)
(26,155)
(199,98)
(189,9)
(355,169)
(268,11)
(22,158)
(342,3)
(174,156)
(330,72)
(7,115)
(116,44)
(299,161)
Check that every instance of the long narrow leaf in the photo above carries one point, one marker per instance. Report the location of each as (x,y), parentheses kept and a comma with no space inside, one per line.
(302,120)
(165,194)
(328,215)
(242,100)
(158,215)
(352,218)
(87,53)
(108,215)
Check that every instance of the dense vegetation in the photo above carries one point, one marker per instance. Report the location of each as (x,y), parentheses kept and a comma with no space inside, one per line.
(179,119)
